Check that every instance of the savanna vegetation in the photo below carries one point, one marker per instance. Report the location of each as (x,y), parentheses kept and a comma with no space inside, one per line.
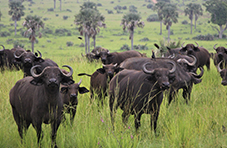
(201,123)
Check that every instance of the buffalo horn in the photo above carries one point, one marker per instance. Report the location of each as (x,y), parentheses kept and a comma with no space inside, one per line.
(214,47)
(197,44)
(147,71)
(3,48)
(80,82)
(104,65)
(93,53)
(182,45)
(33,73)
(218,66)
(187,62)
(174,67)
(40,55)
(70,73)
(115,65)
(17,57)
(200,75)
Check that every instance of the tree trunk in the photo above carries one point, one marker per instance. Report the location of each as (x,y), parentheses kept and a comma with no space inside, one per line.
(191,26)
(15,25)
(168,34)
(160,28)
(220,32)
(94,40)
(54,4)
(88,44)
(60,5)
(77,1)
(132,34)
(33,42)
(85,36)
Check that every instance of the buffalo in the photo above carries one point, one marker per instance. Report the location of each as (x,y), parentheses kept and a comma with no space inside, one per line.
(69,95)
(92,55)
(116,57)
(37,100)
(223,73)
(100,79)
(138,92)
(184,77)
(28,59)
(220,55)
(201,54)
(7,59)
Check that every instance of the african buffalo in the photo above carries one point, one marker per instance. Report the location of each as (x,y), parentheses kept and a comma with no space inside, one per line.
(37,99)
(92,55)
(7,59)
(223,73)
(100,79)
(184,77)
(220,55)
(116,57)
(170,52)
(28,59)
(138,92)
(69,95)
(201,54)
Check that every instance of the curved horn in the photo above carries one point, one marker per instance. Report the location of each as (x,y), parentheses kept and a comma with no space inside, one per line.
(172,56)
(104,65)
(145,69)
(70,73)
(173,68)
(187,62)
(92,54)
(40,55)
(197,44)
(17,57)
(80,82)
(115,65)
(33,73)
(214,47)
(3,48)
(218,66)
(182,45)
(201,73)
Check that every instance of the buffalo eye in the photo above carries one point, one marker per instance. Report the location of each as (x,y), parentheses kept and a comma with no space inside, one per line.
(171,78)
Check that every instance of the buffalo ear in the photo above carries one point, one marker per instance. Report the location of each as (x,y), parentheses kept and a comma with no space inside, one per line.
(118,69)
(225,50)
(183,49)
(101,70)
(39,60)
(96,57)
(67,81)
(64,90)
(36,81)
(83,90)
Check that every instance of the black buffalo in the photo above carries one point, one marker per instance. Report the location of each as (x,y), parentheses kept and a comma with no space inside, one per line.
(69,95)
(100,79)
(29,59)
(201,54)
(37,99)
(184,77)
(138,92)
(7,59)
(116,57)
(220,55)
(223,73)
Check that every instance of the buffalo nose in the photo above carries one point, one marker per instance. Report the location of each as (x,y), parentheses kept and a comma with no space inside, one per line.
(52,80)
(27,60)
(220,55)
(73,95)
(165,84)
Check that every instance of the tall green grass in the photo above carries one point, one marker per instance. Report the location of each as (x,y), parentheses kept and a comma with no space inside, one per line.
(197,124)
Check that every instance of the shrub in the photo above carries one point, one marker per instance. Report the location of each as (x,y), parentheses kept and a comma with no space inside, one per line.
(125,47)
(45,19)
(57,15)
(47,30)
(17,44)
(99,4)
(65,17)
(69,43)
(144,39)
(68,10)
(31,11)
(207,37)
(184,22)
(61,32)
(149,6)
(50,9)
(4,34)
(124,7)
(109,11)
(118,7)
(223,36)
(140,47)
(132,8)
(152,18)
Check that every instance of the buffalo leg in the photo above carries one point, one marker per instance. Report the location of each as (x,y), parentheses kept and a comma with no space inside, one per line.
(72,115)
(172,95)
(112,110)
(38,128)
(125,116)
(187,93)
(137,118)
(54,127)
(154,119)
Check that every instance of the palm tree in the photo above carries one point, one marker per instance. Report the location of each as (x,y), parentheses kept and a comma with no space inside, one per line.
(16,11)
(0,15)
(54,4)
(170,16)
(60,5)
(131,21)
(158,7)
(89,21)
(33,24)
(191,10)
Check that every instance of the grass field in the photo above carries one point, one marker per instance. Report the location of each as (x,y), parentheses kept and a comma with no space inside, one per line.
(198,124)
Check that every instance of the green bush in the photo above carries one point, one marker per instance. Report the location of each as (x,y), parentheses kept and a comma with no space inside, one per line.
(207,37)
(153,18)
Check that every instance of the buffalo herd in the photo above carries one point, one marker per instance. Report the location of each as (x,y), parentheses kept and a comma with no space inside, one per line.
(133,82)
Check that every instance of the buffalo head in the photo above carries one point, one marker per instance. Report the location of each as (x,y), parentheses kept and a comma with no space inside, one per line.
(163,77)
(104,56)
(190,48)
(223,74)
(220,51)
(51,77)
(109,70)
